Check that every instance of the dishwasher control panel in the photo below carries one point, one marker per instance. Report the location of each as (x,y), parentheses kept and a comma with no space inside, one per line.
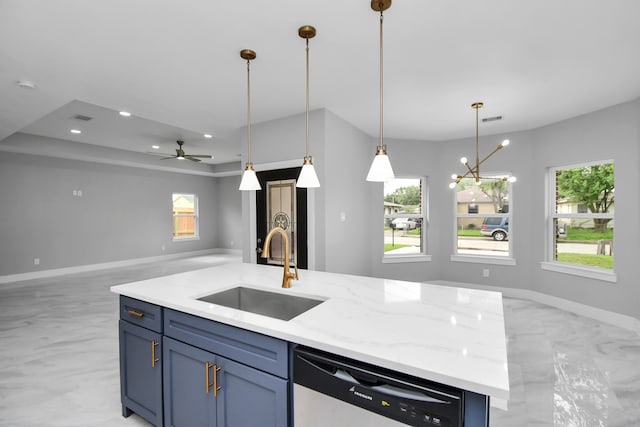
(409,400)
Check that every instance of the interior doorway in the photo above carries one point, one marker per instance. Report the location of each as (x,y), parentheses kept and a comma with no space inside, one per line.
(280,203)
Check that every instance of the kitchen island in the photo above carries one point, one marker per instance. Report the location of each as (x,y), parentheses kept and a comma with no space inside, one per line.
(453,336)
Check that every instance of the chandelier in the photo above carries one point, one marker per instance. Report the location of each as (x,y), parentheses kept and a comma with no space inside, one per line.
(474,172)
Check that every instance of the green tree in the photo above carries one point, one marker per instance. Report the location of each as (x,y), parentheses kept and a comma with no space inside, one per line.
(497,190)
(406,196)
(591,186)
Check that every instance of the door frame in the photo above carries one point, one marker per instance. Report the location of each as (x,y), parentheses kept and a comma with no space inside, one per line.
(311,215)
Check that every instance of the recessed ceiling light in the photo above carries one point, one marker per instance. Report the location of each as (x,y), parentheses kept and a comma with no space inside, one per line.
(206,135)
(125,113)
(155,147)
(26,84)
(76,131)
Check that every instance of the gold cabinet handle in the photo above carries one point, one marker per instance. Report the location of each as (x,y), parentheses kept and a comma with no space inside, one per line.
(154,360)
(207,366)
(216,389)
(213,385)
(135,313)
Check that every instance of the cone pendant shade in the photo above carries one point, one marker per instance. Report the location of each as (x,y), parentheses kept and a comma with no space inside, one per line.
(308,177)
(380,170)
(249,179)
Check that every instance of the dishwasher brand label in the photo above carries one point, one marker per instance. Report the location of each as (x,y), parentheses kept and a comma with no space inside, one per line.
(360,395)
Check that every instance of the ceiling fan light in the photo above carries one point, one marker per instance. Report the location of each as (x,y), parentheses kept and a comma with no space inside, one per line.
(380,170)
(249,179)
(308,177)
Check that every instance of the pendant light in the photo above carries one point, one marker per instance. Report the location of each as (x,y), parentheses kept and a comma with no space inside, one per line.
(474,172)
(380,169)
(308,177)
(249,179)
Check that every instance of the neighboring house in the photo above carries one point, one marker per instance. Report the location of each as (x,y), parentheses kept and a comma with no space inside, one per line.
(392,208)
(472,200)
(567,206)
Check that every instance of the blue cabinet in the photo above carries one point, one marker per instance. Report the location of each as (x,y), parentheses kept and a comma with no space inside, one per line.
(219,375)
(205,389)
(181,370)
(140,361)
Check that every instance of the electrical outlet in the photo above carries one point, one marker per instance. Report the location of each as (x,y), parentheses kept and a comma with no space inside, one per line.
(485,272)
(36,261)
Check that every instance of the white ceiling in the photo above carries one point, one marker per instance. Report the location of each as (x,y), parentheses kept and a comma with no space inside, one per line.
(176,66)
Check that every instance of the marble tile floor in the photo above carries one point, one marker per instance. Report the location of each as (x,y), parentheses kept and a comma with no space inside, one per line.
(59,357)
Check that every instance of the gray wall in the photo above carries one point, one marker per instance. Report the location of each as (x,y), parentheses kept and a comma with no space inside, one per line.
(123,213)
(228,216)
(348,153)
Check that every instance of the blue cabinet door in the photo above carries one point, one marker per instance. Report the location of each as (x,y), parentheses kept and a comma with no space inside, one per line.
(188,385)
(249,397)
(141,372)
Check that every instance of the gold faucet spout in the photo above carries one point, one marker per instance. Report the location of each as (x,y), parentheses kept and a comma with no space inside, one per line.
(288,275)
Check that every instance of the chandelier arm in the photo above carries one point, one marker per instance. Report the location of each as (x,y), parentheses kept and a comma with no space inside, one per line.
(470,170)
(498,148)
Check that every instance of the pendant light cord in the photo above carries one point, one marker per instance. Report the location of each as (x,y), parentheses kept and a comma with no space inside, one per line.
(249,110)
(307,155)
(381,146)
(477,149)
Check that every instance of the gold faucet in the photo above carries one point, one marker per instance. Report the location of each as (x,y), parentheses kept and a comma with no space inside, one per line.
(288,275)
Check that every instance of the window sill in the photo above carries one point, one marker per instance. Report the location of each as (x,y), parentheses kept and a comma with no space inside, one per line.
(592,273)
(395,259)
(478,259)
(185,239)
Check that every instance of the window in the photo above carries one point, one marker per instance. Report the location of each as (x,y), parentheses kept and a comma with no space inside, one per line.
(581,217)
(482,218)
(185,216)
(404,218)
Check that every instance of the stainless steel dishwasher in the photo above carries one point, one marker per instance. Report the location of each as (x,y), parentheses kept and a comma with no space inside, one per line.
(334,391)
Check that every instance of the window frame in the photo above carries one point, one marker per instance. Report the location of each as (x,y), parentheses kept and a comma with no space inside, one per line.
(509,259)
(551,264)
(196,218)
(423,255)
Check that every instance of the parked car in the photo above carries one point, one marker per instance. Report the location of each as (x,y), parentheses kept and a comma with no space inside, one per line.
(404,223)
(496,227)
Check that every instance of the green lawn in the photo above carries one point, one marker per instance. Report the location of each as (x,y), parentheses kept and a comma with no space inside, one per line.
(586,234)
(602,261)
(469,233)
(389,247)
(573,234)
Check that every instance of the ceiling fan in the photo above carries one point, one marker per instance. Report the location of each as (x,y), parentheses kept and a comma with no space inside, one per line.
(180,154)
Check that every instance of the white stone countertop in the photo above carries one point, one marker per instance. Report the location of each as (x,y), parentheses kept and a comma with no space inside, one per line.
(451,335)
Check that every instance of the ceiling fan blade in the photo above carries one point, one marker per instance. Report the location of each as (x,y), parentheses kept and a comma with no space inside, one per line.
(193,159)
(155,153)
(203,156)
(167,158)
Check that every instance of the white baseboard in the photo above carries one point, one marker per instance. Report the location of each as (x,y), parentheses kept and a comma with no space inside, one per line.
(114,264)
(610,317)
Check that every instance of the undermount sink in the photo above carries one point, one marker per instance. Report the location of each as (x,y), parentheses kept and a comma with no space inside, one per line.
(272,304)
